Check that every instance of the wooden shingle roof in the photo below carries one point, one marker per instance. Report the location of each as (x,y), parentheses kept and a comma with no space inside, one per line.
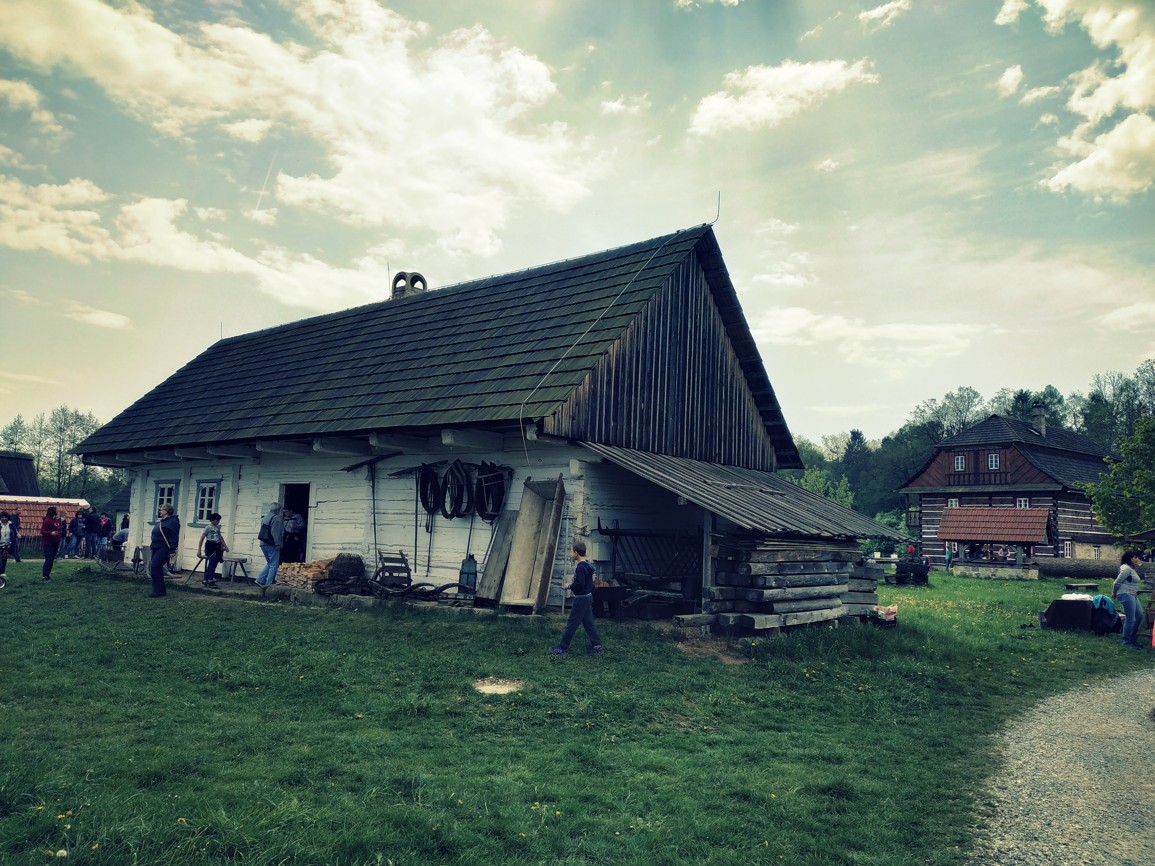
(490,352)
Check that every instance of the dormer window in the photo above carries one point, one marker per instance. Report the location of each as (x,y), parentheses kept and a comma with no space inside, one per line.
(993,460)
(960,463)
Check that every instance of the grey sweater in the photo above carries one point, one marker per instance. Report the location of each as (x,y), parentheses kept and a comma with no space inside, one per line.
(1127,583)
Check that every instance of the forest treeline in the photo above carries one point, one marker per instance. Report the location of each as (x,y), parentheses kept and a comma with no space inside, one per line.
(867,474)
(50,438)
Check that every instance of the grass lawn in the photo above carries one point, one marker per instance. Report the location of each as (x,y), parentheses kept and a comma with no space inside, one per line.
(191,729)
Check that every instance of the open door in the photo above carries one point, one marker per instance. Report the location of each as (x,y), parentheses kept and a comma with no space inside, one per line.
(534,545)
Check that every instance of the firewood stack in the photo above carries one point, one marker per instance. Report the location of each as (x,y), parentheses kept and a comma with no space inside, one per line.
(304,575)
(762,584)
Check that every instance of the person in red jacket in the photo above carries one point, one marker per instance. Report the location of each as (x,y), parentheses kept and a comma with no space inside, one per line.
(50,533)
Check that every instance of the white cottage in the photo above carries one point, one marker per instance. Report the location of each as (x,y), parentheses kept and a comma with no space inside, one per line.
(618,398)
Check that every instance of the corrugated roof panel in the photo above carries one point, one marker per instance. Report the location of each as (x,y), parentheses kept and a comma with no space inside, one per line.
(750,498)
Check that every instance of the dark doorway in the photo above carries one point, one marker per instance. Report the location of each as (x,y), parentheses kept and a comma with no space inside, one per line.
(295,498)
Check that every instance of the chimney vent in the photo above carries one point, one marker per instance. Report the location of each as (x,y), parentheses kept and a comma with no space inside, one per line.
(406,283)
(1039,418)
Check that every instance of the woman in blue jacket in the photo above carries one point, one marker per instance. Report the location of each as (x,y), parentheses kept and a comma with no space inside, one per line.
(165,535)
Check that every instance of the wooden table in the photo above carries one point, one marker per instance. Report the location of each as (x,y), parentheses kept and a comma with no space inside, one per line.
(1077,586)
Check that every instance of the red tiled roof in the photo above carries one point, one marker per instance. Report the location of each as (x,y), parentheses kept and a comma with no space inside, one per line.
(1016,525)
(33,508)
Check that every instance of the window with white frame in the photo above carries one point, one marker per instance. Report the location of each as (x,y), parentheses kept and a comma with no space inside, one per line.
(1095,552)
(1066,550)
(993,460)
(1023,502)
(208,494)
(952,503)
(960,463)
(166,494)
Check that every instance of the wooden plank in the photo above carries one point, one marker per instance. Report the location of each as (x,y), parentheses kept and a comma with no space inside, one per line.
(807,604)
(548,547)
(789,619)
(523,549)
(493,572)
(692,620)
(786,581)
(795,593)
(857,584)
(860,598)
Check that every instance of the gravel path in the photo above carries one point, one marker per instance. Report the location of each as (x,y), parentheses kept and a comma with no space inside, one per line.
(1078,785)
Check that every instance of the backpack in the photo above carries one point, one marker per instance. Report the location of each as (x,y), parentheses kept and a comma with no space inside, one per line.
(265,535)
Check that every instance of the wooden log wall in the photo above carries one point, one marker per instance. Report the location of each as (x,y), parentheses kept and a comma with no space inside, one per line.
(762,585)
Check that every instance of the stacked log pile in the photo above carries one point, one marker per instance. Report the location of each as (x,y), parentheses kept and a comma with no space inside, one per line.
(862,589)
(762,585)
(304,575)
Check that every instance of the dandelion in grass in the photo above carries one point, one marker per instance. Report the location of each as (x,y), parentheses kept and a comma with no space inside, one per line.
(181,821)
(62,853)
(358,715)
(94,846)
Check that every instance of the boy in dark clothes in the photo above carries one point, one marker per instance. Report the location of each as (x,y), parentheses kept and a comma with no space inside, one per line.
(582,612)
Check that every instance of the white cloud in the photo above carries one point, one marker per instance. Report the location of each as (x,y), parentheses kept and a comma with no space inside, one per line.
(1037,94)
(22,96)
(1010,11)
(861,343)
(251,130)
(1113,99)
(827,165)
(26,377)
(766,96)
(264,216)
(59,218)
(24,297)
(1117,164)
(690,4)
(387,115)
(99,318)
(1009,81)
(883,16)
(1134,317)
(622,105)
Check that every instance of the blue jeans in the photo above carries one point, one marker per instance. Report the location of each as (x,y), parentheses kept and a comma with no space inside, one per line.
(582,613)
(272,563)
(89,546)
(1134,614)
(73,548)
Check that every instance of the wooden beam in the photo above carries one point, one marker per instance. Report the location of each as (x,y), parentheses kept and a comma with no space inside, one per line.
(193,453)
(160,456)
(129,459)
(480,440)
(234,451)
(392,441)
(343,445)
(274,446)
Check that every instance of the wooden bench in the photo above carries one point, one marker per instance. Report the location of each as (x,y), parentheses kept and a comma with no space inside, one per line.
(1081,586)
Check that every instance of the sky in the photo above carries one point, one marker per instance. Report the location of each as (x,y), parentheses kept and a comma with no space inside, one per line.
(910,196)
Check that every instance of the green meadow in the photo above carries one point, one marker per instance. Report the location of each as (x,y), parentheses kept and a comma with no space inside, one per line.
(203,729)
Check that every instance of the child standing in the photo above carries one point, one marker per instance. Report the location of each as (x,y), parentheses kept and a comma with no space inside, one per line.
(582,612)
(213,547)
(7,533)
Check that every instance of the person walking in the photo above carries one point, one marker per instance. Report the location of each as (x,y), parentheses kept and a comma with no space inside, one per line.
(212,547)
(91,533)
(50,532)
(75,549)
(165,535)
(271,536)
(1125,590)
(7,533)
(14,519)
(582,612)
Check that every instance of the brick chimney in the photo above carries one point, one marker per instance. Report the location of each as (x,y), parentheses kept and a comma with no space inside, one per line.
(1039,418)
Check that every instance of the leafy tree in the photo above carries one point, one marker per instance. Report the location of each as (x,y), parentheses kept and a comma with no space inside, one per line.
(812,456)
(822,482)
(1124,499)
(14,434)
